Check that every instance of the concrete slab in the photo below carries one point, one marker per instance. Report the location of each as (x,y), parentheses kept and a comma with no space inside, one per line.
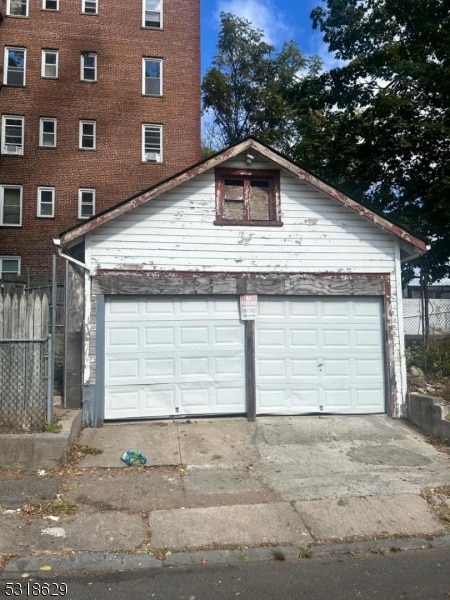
(130,490)
(241,525)
(27,489)
(330,457)
(405,515)
(100,532)
(157,440)
(218,443)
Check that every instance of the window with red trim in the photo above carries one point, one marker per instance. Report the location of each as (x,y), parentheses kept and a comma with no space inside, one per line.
(247,196)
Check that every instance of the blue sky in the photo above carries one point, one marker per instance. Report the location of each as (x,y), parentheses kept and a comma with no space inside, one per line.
(281,20)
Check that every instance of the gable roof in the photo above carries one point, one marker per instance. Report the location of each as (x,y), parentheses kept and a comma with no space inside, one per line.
(413,245)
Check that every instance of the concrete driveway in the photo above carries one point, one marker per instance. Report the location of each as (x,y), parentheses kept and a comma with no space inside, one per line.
(289,482)
(301,458)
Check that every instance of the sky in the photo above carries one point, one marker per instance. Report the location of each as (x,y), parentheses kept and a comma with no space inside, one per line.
(281,21)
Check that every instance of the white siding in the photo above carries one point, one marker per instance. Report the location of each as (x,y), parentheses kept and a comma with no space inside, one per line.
(176,232)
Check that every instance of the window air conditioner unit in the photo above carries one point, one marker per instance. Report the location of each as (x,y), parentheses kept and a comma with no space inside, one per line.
(152,157)
(12,149)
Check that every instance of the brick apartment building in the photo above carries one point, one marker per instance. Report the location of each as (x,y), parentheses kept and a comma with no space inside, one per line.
(100,99)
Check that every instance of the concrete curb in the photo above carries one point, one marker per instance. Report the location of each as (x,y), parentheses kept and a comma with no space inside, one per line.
(31,451)
(93,562)
(428,414)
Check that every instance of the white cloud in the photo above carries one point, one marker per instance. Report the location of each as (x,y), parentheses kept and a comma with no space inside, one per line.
(263,14)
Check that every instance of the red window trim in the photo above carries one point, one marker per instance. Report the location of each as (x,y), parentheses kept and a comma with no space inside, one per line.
(273,177)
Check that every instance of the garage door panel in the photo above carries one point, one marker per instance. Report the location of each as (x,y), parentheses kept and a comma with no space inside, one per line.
(185,356)
(333,356)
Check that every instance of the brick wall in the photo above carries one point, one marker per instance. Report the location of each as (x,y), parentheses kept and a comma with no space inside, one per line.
(115,169)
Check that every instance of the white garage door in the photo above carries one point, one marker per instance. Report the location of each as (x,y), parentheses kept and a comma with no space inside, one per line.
(173,356)
(319,356)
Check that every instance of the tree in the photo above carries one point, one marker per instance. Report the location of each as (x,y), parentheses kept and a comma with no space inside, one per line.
(244,92)
(383,118)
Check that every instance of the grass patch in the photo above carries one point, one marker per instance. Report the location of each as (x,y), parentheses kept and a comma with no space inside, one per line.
(85,450)
(278,555)
(53,427)
(55,507)
(342,502)
(306,555)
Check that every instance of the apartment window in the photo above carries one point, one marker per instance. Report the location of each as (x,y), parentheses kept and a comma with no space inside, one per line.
(152,13)
(14,69)
(46,202)
(152,143)
(9,265)
(87,135)
(86,203)
(49,66)
(247,197)
(17,8)
(152,77)
(50,4)
(10,205)
(89,6)
(89,66)
(12,134)
(47,132)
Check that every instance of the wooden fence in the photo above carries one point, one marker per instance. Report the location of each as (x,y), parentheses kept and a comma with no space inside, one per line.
(24,359)
(24,316)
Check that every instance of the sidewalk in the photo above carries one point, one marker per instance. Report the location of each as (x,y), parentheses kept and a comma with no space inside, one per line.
(221,489)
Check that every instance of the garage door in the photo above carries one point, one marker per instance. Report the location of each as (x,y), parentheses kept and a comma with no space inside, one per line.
(319,356)
(173,356)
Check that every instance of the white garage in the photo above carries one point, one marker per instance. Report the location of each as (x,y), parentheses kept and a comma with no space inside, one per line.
(157,282)
(168,357)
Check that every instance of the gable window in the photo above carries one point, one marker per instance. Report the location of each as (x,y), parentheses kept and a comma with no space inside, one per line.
(12,134)
(87,135)
(152,77)
(50,4)
(14,70)
(46,202)
(89,6)
(152,13)
(9,265)
(10,205)
(88,66)
(86,203)
(17,8)
(152,143)
(49,67)
(47,132)
(246,196)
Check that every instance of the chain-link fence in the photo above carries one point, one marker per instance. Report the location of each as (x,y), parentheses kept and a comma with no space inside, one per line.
(24,384)
(415,318)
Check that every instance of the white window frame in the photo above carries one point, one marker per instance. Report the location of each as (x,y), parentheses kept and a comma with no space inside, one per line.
(45,7)
(82,191)
(2,199)
(8,148)
(150,152)
(144,12)
(8,9)
(41,202)
(7,70)
(144,78)
(5,258)
(83,57)
(86,11)
(83,135)
(42,133)
(44,63)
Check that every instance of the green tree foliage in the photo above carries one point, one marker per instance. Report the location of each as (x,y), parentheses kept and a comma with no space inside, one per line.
(383,118)
(245,90)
